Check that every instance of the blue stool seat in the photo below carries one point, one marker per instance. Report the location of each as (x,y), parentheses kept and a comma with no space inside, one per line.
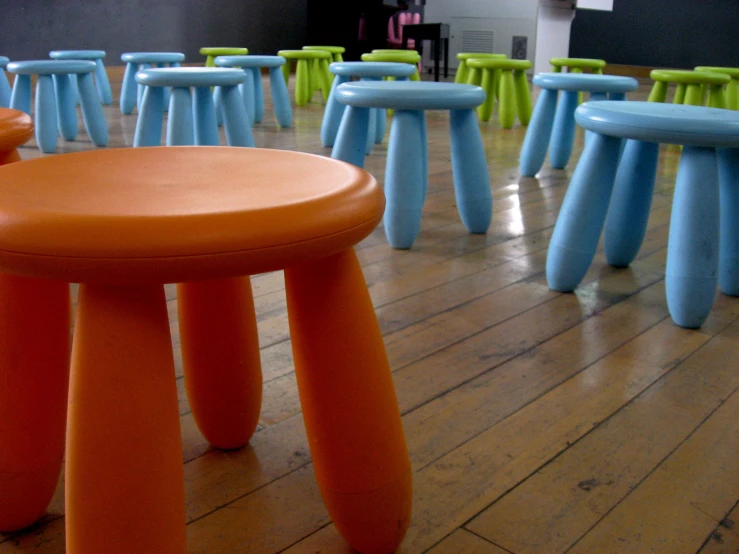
(367,71)
(4,84)
(131,95)
(101,77)
(406,175)
(554,120)
(192,120)
(252,90)
(56,100)
(614,190)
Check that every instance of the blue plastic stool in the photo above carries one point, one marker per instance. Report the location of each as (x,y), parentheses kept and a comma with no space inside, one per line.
(559,124)
(101,77)
(4,85)
(130,94)
(709,164)
(252,90)
(192,121)
(407,158)
(55,100)
(366,71)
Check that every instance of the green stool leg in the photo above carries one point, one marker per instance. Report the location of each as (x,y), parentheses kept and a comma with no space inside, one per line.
(496,83)
(523,97)
(732,95)
(325,75)
(415,76)
(580,95)
(210,61)
(338,57)
(485,111)
(507,106)
(286,72)
(658,92)
(461,76)
(474,77)
(693,96)
(716,97)
(703,90)
(679,94)
(302,83)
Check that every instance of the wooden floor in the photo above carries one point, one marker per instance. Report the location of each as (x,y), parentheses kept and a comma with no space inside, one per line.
(537,422)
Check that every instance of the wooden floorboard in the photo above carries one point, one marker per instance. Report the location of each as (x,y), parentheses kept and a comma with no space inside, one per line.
(536,421)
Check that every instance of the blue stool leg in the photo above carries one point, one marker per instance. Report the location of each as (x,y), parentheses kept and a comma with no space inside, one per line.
(728,173)
(256,75)
(583,212)
(333,113)
(424,157)
(351,139)
(20,98)
(128,89)
(218,104)
(75,90)
(204,117)
(235,119)
(404,186)
(691,274)
(247,92)
(46,130)
(618,96)
(471,178)
(92,110)
(563,132)
(140,89)
(102,83)
(280,97)
(372,126)
(595,96)
(167,92)
(179,121)
(65,105)
(631,202)
(381,125)
(151,113)
(536,141)
(4,90)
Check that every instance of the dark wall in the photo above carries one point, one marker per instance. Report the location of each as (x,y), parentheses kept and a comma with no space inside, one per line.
(660,33)
(29,29)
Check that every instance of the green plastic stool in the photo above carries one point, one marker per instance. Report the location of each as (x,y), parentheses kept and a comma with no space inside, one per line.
(311,73)
(399,56)
(463,70)
(212,52)
(335,51)
(576,65)
(732,88)
(691,87)
(513,89)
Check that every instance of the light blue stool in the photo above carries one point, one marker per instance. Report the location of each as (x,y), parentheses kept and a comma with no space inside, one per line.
(101,77)
(55,100)
(406,175)
(252,90)
(130,93)
(708,174)
(366,71)
(192,120)
(555,120)
(4,85)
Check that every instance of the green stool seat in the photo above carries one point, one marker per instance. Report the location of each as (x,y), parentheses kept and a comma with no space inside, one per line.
(732,87)
(576,65)
(397,56)
(311,73)
(513,89)
(212,52)
(691,87)
(463,70)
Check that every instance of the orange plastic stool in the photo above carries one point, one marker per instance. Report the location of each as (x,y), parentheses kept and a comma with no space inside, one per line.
(123,222)
(34,366)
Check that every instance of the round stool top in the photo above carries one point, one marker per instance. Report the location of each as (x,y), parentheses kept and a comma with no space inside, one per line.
(249,61)
(410,95)
(16,128)
(305,54)
(4,61)
(176,214)
(588,82)
(153,57)
(190,77)
(663,123)
(50,67)
(393,51)
(732,72)
(223,51)
(462,56)
(77,54)
(402,56)
(688,77)
(332,49)
(582,63)
(498,63)
(372,69)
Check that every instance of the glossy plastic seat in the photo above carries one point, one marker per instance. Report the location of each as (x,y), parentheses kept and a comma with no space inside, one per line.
(124,221)
(708,175)
(555,118)
(368,71)
(212,52)
(192,119)
(4,84)
(252,90)
(406,175)
(576,65)
(462,75)
(512,89)
(130,93)
(311,73)
(101,77)
(55,101)
(732,87)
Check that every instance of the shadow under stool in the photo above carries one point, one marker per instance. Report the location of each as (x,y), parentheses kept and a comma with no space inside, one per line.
(615,190)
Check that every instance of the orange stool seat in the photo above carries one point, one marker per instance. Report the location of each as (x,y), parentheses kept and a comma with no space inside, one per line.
(124,222)
(16,128)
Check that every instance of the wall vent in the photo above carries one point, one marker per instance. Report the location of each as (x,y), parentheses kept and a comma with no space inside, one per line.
(474,40)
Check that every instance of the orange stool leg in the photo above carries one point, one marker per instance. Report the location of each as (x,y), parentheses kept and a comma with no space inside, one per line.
(124,475)
(220,355)
(349,404)
(34,377)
